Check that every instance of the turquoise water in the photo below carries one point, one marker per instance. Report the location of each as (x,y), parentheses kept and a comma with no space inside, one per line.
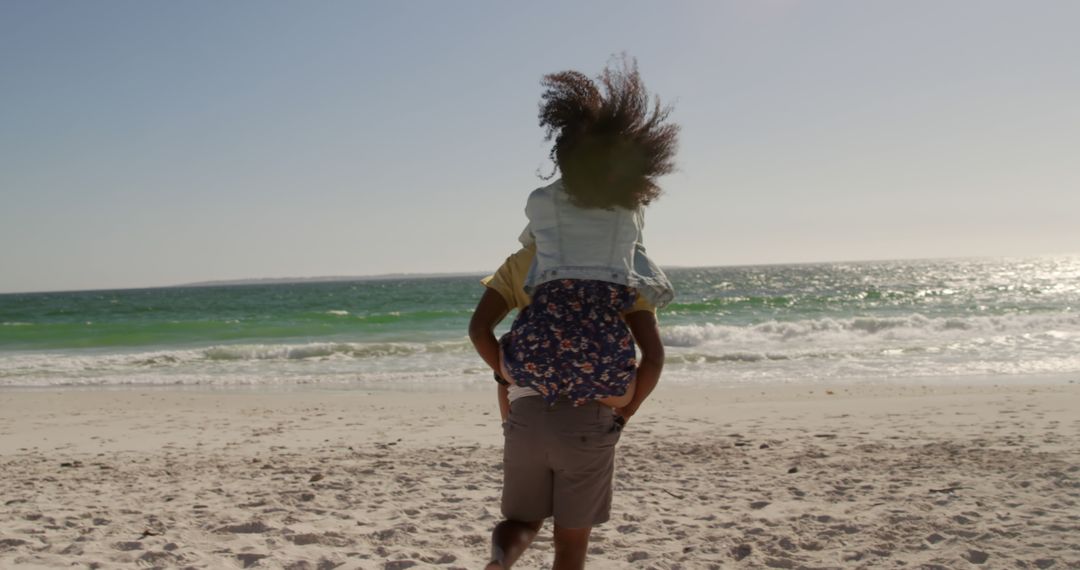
(418,309)
(897,319)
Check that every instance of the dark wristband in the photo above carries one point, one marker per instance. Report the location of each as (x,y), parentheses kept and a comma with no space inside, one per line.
(502,381)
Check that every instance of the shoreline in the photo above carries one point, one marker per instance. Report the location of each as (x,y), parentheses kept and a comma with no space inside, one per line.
(925,474)
(150,417)
(482,383)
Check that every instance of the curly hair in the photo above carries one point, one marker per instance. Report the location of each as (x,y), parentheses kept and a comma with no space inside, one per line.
(610,146)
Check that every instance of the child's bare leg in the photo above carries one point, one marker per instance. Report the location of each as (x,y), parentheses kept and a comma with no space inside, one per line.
(503,371)
(624,399)
(504,402)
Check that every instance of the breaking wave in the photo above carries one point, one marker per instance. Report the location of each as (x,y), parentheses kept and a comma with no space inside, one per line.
(912,327)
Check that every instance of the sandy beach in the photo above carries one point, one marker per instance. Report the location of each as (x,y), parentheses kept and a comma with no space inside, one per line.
(766,477)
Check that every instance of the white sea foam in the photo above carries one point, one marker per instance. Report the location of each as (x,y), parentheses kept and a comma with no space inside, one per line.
(97,360)
(863,328)
(883,348)
(323,363)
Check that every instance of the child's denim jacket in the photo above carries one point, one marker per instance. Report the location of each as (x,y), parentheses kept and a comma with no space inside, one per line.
(589,243)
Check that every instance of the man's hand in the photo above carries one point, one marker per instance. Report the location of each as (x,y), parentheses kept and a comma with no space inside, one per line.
(647,335)
(625,413)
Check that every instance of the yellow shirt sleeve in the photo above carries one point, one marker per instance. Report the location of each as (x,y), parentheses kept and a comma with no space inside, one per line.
(641,305)
(509,281)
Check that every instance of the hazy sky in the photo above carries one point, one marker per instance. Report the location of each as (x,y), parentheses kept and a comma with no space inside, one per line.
(152,143)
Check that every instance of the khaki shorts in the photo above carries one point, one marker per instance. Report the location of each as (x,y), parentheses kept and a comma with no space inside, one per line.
(558,461)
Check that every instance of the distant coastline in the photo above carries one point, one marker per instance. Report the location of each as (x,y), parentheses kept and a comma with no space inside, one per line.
(390,276)
(325,279)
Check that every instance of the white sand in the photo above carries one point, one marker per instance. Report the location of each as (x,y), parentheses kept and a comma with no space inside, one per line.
(916,477)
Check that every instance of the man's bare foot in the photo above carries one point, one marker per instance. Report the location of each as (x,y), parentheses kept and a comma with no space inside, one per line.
(493,566)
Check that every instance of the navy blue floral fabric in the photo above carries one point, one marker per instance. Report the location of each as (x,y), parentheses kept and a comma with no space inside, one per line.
(572,341)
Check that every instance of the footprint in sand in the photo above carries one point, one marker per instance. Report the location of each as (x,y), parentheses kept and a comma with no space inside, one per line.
(253,527)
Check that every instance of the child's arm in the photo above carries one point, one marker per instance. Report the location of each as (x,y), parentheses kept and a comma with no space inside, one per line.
(647,336)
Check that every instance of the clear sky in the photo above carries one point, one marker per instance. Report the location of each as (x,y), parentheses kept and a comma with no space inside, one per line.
(155,143)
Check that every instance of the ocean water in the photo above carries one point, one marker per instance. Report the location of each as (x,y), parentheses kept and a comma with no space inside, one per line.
(985,320)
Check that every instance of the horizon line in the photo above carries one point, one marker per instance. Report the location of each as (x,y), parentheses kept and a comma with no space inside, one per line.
(435,275)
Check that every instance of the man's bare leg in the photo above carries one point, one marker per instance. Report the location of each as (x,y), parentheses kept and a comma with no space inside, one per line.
(571,546)
(509,540)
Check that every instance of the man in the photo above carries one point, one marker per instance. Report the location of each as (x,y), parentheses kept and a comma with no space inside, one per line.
(546,473)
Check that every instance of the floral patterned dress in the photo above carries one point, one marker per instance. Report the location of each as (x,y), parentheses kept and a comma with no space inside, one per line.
(571,341)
